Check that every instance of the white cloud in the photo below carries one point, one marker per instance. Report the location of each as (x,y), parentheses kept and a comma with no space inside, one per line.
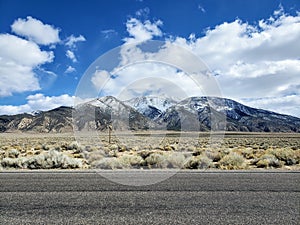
(38,102)
(108,33)
(250,62)
(70,69)
(42,102)
(145,78)
(22,52)
(257,62)
(279,11)
(156,75)
(152,78)
(18,59)
(200,7)
(286,104)
(36,31)
(72,40)
(71,55)
(142,31)
(229,43)
(13,110)
(142,12)
(99,78)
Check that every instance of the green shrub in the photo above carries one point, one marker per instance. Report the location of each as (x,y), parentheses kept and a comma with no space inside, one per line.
(267,161)
(46,160)
(95,155)
(199,162)
(131,160)
(108,163)
(12,163)
(232,161)
(215,156)
(288,156)
(176,160)
(144,153)
(156,160)
(52,159)
(2,154)
(247,153)
(13,153)
(73,146)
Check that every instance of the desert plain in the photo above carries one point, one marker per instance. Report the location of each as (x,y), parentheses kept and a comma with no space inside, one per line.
(150,150)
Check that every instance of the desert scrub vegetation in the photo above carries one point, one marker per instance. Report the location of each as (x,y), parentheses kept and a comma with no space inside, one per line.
(144,159)
(233,161)
(287,155)
(46,160)
(242,151)
(199,162)
(107,163)
(268,161)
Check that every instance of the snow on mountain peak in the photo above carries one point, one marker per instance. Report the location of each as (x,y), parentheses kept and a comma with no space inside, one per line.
(143,103)
(106,101)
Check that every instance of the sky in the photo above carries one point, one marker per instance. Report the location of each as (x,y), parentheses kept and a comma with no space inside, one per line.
(250,47)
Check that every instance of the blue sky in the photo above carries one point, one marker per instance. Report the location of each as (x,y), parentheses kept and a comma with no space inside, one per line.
(250,45)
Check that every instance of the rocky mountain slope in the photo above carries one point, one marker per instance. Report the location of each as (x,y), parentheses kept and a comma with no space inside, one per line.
(194,113)
(219,113)
(56,120)
(103,112)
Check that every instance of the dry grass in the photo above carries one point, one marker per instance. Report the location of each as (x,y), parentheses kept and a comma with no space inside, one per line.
(237,151)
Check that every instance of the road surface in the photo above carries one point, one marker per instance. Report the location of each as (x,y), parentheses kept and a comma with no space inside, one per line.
(188,197)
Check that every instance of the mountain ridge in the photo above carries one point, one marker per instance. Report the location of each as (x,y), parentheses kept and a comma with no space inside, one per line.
(151,112)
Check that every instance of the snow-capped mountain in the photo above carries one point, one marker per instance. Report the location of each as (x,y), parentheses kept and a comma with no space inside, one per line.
(221,113)
(194,113)
(107,102)
(151,106)
(102,112)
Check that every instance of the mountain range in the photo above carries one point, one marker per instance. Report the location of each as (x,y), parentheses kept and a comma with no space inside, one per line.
(152,112)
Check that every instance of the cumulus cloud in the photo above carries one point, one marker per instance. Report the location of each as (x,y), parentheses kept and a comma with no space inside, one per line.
(254,62)
(145,78)
(152,78)
(70,69)
(38,102)
(18,59)
(99,78)
(72,40)
(36,31)
(142,31)
(71,43)
(258,62)
(71,55)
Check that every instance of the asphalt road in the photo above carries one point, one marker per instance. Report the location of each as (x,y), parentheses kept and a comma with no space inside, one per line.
(186,198)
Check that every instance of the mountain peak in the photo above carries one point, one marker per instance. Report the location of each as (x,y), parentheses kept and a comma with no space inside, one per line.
(155,112)
(151,106)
